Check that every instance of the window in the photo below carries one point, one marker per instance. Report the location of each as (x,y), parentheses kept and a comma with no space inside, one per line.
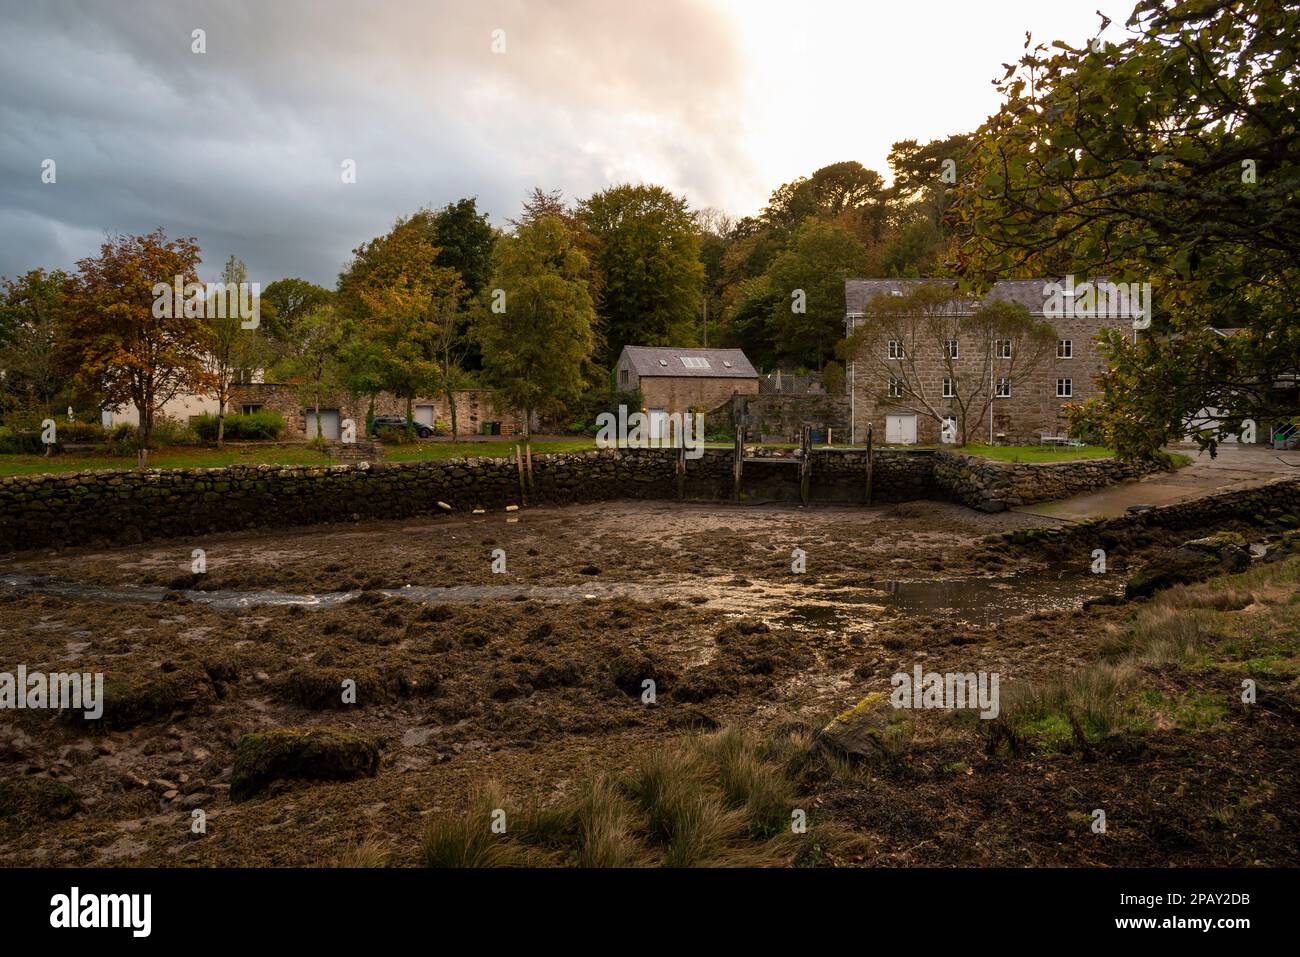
(664,363)
(622,376)
(249,409)
(694,362)
(896,350)
(726,363)
(895,388)
(951,349)
(1064,388)
(1002,348)
(1065,348)
(1004,388)
(949,388)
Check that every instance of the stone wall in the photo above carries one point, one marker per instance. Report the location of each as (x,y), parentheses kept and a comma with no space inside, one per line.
(785,415)
(997,486)
(104,507)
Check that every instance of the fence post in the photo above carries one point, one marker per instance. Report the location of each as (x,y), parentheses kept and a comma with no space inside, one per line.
(805,463)
(870,463)
(738,463)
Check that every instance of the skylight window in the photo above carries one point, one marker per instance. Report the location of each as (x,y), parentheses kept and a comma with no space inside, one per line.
(664,363)
(694,362)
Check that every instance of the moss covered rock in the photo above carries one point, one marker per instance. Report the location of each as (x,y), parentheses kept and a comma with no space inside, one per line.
(26,800)
(316,754)
(1222,553)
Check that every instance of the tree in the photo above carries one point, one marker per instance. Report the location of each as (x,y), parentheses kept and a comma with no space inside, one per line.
(830,192)
(397,292)
(232,350)
(535,347)
(128,341)
(289,300)
(1172,158)
(313,360)
(807,284)
(465,238)
(31,316)
(648,256)
(906,338)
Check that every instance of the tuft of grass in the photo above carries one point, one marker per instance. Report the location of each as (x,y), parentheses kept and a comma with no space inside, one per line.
(467,840)
(370,851)
(1092,698)
(689,820)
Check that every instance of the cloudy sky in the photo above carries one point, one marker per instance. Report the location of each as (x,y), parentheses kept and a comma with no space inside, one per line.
(243,145)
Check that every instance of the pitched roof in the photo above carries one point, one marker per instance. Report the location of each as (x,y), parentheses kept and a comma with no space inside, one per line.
(701,364)
(1027,292)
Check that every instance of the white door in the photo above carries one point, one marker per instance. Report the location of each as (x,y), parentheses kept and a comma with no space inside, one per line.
(424,415)
(658,425)
(329,423)
(900,429)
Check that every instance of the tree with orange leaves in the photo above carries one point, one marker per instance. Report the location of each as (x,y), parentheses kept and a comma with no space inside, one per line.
(124,344)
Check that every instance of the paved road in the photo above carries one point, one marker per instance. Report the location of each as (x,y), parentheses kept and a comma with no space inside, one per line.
(1236,466)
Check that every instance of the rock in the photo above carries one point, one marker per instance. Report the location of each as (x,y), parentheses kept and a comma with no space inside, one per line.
(855,734)
(1220,554)
(26,800)
(324,754)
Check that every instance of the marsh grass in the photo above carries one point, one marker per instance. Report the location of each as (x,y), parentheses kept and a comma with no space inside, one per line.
(722,799)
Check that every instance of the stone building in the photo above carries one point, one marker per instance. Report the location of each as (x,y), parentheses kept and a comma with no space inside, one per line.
(679,380)
(473,408)
(1021,412)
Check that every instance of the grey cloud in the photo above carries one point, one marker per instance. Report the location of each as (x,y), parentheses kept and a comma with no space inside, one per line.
(241,146)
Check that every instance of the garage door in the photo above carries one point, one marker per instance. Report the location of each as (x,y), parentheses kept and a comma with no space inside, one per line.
(424,415)
(329,423)
(900,429)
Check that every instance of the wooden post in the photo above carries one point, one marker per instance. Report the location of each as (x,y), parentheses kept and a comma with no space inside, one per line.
(805,463)
(738,464)
(528,451)
(519,467)
(681,467)
(869,463)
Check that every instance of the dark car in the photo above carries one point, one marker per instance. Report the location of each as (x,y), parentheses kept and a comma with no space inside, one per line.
(398,422)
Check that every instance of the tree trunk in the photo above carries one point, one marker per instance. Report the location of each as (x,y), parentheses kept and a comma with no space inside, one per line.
(319,438)
(221,423)
(410,420)
(451,403)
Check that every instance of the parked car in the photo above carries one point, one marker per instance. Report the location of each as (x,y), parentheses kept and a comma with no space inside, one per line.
(399,422)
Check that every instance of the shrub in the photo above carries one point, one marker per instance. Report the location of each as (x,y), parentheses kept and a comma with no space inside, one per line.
(20,443)
(125,438)
(266,424)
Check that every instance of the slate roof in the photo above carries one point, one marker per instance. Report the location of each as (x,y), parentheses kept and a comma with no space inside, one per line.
(1027,292)
(667,361)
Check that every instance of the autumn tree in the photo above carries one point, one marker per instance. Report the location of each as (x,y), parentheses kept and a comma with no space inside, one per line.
(906,340)
(400,296)
(128,340)
(537,338)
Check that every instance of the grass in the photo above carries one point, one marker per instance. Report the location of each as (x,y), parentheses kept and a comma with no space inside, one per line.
(186,457)
(725,798)
(1029,454)
(1242,624)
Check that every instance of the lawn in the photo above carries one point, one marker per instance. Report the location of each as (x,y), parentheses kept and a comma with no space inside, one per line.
(1034,453)
(183,457)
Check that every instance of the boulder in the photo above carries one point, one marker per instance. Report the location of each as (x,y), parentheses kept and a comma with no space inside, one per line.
(856,734)
(1222,553)
(311,754)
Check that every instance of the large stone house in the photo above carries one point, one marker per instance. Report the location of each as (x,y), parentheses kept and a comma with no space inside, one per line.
(1021,412)
(679,380)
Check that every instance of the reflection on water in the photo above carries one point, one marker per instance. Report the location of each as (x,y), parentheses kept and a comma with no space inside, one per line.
(972,600)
